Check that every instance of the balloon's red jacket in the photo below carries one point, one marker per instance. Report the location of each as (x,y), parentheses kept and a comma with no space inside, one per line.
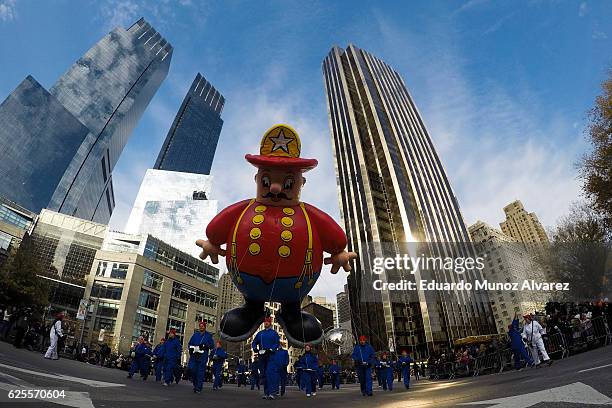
(272,243)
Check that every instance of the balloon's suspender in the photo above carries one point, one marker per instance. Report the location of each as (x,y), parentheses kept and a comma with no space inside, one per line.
(307,268)
(233,268)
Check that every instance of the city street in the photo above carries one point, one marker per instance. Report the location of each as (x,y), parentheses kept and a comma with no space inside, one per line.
(579,381)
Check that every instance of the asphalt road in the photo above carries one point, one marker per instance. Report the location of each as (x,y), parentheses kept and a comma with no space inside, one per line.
(584,380)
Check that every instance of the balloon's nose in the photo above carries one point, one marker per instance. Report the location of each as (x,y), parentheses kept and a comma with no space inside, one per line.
(276,188)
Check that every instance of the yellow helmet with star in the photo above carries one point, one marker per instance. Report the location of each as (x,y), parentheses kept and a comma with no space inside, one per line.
(280,147)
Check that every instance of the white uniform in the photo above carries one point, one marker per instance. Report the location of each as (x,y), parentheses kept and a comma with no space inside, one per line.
(54,334)
(532,332)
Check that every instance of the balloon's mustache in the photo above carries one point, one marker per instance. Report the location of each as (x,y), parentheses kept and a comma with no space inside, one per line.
(276,197)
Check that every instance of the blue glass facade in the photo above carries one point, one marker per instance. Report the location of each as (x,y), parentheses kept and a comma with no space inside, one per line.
(38,140)
(81,126)
(108,90)
(192,140)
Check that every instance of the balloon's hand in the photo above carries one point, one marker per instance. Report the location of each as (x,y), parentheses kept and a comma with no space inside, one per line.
(210,249)
(342,259)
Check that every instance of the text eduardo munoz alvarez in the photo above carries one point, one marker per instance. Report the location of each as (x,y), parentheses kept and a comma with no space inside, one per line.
(458,265)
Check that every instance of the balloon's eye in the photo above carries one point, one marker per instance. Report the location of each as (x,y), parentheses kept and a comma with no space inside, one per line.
(288,184)
(265,181)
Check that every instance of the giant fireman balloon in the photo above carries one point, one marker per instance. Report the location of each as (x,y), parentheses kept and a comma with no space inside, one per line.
(275,244)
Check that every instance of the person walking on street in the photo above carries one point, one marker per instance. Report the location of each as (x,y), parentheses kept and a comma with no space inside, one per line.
(56,336)
(363,356)
(532,333)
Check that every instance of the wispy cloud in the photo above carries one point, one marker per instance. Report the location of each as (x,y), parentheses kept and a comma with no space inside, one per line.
(163,13)
(8,11)
(499,23)
(583,9)
(470,4)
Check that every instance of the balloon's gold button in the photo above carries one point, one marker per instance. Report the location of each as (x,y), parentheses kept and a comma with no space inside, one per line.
(287,222)
(260,208)
(286,236)
(288,211)
(255,233)
(254,248)
(258,219)
(284,251)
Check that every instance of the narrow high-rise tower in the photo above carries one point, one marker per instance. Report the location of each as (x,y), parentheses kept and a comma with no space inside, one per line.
(192,140)
(393,190)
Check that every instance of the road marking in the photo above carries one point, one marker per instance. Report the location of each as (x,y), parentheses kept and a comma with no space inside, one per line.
(70,399)
(577,393)
(594,368)
(91,383)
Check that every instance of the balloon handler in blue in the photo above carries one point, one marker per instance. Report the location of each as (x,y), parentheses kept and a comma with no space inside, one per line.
(386,371)
(218,356)
(254,375)
(403,364)
(281,362)
(309,364)
(241,370)
(158,354)
(172,357)
(363,356)
(141,359)
(200,344)
(265,344)
(517,345)
(274,243)
(334,372)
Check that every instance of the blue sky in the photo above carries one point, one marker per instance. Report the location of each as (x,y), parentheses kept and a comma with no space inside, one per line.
(503,87)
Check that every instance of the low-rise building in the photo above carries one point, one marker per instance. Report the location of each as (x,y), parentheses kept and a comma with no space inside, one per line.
(141,286)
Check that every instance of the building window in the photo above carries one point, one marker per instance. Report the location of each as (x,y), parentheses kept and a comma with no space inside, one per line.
(178,325)
(5,240)
(177,309)
(104,323)
(149,300)
(191,294)
(152,280)
(11,217)
(106,291)
(208,318)
(144,325)
(112,270)
(107,309)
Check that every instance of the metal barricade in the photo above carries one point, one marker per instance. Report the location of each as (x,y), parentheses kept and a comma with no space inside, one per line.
(506,360)
(601,330)
(555,345)
(486,363)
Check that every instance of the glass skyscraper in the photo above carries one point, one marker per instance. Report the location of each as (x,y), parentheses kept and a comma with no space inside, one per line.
(393,190)
(192,140)
(60,147)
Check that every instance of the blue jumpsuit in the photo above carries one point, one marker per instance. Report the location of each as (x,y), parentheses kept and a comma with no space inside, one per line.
(172,358)
(310,364)
(386,372)
(218,356)
(255,371)
(299,378)
(268,340)
(198,361)
(240,376)
(334,371)
(158,352)
(364,357)
(404,365)
(379,372)
(141,361)
(517,345)
(281,360)
(320,376)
